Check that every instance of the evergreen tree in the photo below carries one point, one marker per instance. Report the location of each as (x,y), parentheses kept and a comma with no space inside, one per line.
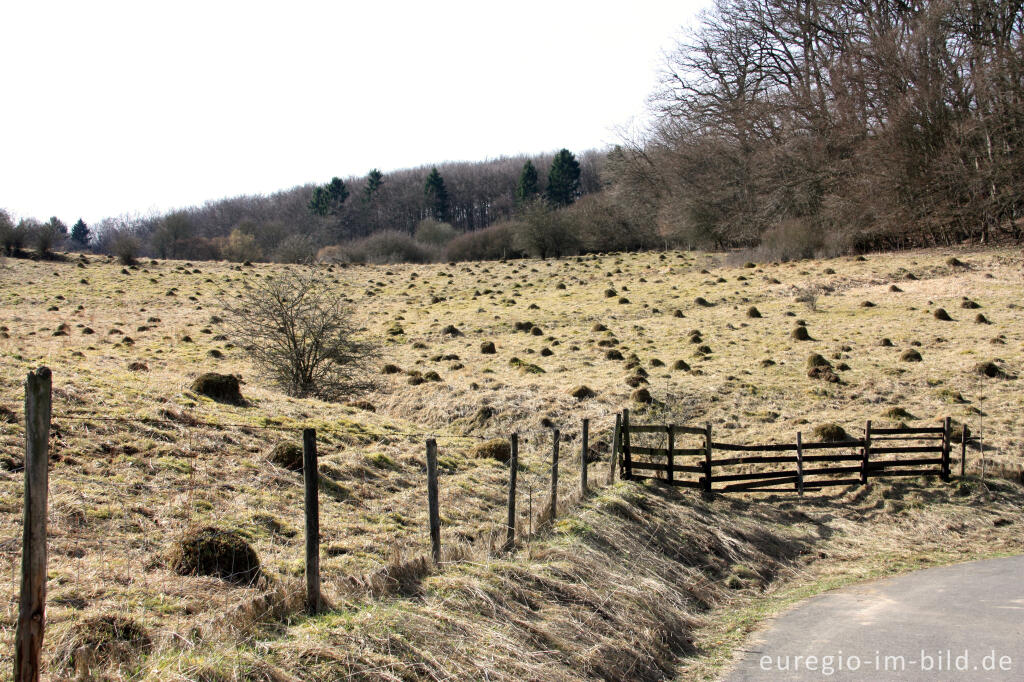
(527,188)
(374,179)
(563,179)
(328,199)
(57,227)
(81,234)
(437,196)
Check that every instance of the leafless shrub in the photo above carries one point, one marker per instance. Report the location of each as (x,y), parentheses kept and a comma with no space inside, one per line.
(298,330)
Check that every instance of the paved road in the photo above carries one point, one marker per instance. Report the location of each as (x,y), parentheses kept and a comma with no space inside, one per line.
(962,622)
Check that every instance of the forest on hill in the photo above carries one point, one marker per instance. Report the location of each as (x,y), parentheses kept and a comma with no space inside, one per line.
(790,129)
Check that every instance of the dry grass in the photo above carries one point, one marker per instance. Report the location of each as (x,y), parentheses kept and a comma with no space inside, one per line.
(122,491)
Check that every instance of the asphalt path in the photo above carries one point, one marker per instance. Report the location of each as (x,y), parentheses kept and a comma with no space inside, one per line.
(960,622)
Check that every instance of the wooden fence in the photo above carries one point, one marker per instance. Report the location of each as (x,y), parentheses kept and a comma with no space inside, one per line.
(686,456)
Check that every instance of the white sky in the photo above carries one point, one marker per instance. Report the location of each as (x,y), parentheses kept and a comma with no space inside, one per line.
(116,107)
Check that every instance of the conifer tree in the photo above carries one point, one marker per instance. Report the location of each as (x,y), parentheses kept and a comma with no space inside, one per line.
(327,199)
(563,179)
(437,196)
(80,233)
(374,179)
(527,188)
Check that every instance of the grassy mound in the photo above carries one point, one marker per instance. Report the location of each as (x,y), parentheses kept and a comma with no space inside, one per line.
(287,456)
(217,552)
(224,388)
(497,449)
(582,392)
(830,433)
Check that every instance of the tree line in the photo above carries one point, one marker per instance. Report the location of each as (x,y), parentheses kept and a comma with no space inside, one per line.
(293,225)
(837,125)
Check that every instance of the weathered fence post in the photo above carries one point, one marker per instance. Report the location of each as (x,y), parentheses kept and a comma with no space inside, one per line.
(616,439)
(513,471)
(32,602)
(583,457)
(865,453)
(799,463)
(554,475)
(432,502)
(707,457)
(627,457)
(963,450)
(671,451)
(311,478)
(946,437)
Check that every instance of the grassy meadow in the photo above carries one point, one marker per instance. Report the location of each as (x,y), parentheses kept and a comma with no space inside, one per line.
(614,589)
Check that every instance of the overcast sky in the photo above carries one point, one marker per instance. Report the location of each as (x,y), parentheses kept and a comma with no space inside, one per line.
(130,107)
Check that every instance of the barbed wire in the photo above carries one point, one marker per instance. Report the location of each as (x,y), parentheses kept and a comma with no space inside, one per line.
(189,421)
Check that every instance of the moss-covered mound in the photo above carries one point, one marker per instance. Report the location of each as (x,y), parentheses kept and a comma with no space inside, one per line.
(217,552)
(287,456)
(224,388)
(497,448)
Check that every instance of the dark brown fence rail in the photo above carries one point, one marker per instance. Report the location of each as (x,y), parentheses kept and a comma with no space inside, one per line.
(685,456)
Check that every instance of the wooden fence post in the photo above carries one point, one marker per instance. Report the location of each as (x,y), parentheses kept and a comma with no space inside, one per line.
(583,457)
(707,457)
(513,471)
(311,478)
(432,502)
(671,451)
(946,437)
(32,602)
(616,440)
(799,463)
(963,450)
(865,453)
(627,457)
(554,475)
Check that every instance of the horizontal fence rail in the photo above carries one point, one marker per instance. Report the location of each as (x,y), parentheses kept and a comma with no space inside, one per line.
(691,462)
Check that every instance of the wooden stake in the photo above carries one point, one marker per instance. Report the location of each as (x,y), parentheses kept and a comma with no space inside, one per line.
(671,452)
(513,471)
(432,502)
(311,478)
(554,476)
(799,463)
(707,457)
(583,457)
(32,603)
(865,453)
(627,458)
(616,440)
(945,448)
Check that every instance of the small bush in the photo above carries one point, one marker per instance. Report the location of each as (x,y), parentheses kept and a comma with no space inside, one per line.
(753,312)
(968,304)
(942,315)
(390,369)
(487,348)
(800,333)
(981,319)
(911,355)
(613,354)
(702,302)
(989,369)
(886,342)
(217,552)
(681,366)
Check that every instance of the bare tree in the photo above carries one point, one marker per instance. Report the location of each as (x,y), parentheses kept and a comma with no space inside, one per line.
(297,327)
